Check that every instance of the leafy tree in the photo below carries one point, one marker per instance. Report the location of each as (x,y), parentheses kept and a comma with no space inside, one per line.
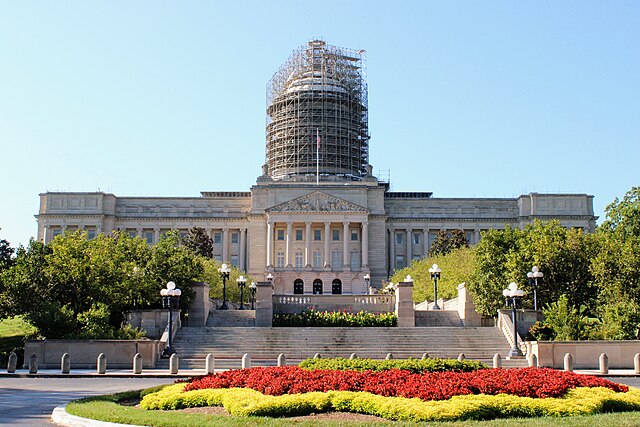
(199,242)
(457,267)
(567,322)
(447,241)
(212,277)
(623,216)
(6,255)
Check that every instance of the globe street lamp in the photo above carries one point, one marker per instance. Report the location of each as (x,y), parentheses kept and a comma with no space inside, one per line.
(512,294)
(367,280)
(241,282)
(270,278)
(533,276)
(252,288)
(170,298)
(224,271)
(435,276)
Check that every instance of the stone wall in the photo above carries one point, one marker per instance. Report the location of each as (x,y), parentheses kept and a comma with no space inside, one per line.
(585,353)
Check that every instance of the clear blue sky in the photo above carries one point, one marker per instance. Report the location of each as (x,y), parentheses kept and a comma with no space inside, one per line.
(474,98)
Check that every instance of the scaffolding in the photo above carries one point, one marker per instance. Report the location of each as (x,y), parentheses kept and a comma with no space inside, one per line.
(320,90)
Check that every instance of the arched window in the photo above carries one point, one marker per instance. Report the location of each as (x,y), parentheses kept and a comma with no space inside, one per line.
(298,287)
(336,286)
(317,287)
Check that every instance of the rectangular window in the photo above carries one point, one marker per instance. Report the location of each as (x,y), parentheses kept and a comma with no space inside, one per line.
(217,238)
(148,237)
(234,260)
(280,235)
(317,259)
(335,235)
(299,235)
(399,262)
(132,233)
(183,234)
(336,259)
(280,259)
(355,260)
(234,238)
(56,232)
(469,236)
(299,258)
(416,238)
(317,235)
(91,233)
(218,258)
(399,238)
(354,235)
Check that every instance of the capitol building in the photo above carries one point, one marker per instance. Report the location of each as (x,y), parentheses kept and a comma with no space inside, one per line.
(316,218)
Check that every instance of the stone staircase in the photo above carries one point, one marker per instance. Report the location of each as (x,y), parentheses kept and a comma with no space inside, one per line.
(229,343)
(231,318)
(434,318)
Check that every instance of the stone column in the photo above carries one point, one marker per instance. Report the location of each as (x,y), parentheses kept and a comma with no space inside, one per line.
(264,304)
(327,232)
(404,305)
(392,251)
(243,246)
(44,234)
(425,241)
(364,257)
(139,231)
(307,244)
(345,246)
(476,234)
(269,262)
(225,245)
(156,235)
(409,246)
(288,245)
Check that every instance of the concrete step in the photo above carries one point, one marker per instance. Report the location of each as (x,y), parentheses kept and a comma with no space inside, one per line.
(231,318)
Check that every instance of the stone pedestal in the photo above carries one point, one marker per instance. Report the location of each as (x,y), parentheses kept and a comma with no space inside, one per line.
(466,308)
(264,304)
(200,305)
(404,305)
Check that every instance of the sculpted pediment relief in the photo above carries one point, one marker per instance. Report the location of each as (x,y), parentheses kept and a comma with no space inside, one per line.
(317,202)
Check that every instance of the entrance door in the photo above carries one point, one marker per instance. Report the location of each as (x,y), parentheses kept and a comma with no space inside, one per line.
(317,287)
(336,287)
(298,287)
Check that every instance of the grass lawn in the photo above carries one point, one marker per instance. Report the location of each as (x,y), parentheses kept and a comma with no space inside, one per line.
(104,408)
(12,333)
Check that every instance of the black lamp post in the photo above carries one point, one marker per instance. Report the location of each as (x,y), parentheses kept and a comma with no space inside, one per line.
(367,280)
(252,288)
(170,298)
(512,295)
(241,282)
(224,271)
(533,276)
(435,276)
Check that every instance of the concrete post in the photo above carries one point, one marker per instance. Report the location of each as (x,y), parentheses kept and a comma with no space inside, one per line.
(246,361)
(33,364)
(467,308)
(210,364)
(568,362)
(461,357)
(174,364)
(282,360)
(200,305)
(636,363)
(13,363)
(404,305)
(389,356)
(532,360)
(353,356)
(102,364)
(264,304)
(137,363)
(65,363)
(497,361)
(425,356)
(603,361)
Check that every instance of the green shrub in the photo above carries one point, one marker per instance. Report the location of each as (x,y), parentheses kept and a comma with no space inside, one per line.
(315,318)
(413,365)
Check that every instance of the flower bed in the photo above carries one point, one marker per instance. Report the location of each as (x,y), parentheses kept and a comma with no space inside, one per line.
(529,382)
(314,318)
(412,365)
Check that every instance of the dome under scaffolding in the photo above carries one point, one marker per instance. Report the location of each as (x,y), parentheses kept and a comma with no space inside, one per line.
(319,93)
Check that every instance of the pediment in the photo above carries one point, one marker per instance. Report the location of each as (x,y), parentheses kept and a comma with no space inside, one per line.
(317,202)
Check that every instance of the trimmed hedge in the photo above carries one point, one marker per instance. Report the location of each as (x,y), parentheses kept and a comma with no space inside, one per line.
(247,402)
(415,366)
(315,318)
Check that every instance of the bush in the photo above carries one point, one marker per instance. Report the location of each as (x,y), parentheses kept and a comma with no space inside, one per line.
(314,318)
(412,365)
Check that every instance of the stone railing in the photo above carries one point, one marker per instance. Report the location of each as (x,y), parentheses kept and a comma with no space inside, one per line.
(354,303)
(506,326)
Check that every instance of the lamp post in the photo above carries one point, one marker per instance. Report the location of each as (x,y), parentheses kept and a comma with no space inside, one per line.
(241,282)
(170,298)
(512,294)
(252,288)
(367,280)
(224,271)
(435,276)
(533,276)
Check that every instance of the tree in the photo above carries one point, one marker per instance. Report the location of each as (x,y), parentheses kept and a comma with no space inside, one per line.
(623,216)
(448,241)
(6,255)
(211,276)
(199,242)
